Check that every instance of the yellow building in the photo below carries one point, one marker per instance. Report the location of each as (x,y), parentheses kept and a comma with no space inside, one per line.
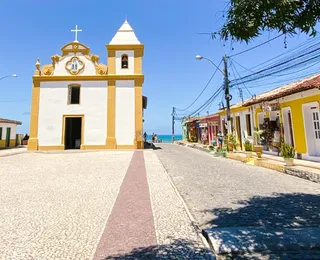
(79,103)
(8,132)
(293,111)
(242,121)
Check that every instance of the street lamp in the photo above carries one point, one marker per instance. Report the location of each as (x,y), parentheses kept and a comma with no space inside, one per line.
(228,97)
(13,75)
(199,57)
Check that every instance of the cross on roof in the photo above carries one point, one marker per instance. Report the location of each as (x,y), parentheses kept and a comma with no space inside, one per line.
(76,33)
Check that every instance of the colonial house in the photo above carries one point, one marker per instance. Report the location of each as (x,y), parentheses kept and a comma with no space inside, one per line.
(8,130)
(241,122)
(293,111)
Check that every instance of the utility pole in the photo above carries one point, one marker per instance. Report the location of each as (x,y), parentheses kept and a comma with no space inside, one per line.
(173,112)
(228,97)
(240,94)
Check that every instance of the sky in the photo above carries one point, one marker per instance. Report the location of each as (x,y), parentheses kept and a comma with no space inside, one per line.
(168,29)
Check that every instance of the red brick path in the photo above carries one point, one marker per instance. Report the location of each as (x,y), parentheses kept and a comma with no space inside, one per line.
(130,224)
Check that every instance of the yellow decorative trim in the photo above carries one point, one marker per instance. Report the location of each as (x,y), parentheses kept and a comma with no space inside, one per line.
(112,61)
(12,142)
(56,58)
(75,48)
(94,58)
(51,148)
(80,63)
(47,70)
(101,69)
(138,114)
(89,77)
(93,147)
(138,61)
(34,117)
(126,146)
(64,128)
(126,47)
(111,141)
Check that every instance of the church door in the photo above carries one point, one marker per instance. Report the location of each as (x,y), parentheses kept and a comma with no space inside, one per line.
(72,133)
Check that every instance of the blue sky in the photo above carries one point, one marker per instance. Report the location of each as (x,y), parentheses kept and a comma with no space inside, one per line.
(169,29)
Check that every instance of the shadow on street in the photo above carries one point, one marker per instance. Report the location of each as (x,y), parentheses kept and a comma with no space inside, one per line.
(178,249)
(283,210)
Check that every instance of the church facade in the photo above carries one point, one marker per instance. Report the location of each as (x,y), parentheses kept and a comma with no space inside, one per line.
(79,103)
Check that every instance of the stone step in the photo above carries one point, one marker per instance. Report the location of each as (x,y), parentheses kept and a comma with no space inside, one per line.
(243,240)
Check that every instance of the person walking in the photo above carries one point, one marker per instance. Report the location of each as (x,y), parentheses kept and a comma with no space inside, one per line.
(153,137)
(220,138)
(145,137)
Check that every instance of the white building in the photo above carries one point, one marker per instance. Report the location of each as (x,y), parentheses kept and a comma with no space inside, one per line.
(78,102)
(8,130)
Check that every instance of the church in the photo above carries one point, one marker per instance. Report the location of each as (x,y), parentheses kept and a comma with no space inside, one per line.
(79,103)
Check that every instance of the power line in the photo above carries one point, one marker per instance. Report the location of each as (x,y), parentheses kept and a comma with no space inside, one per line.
(270,68)
(214,73)
(232,66)
(208,102)
(257,46)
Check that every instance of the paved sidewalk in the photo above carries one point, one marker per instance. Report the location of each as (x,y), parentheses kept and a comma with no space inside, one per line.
(12,151)
(303,169)
(97,205)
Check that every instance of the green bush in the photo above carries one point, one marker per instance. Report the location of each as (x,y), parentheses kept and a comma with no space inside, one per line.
(248,146)
(287,151)
(211,147)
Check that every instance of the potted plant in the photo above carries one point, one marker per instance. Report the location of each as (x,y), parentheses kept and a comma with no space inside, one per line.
(288,153)
(248,148)
(231,141)
(257,147)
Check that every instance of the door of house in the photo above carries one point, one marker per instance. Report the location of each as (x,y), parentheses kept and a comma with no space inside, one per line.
(238,127)
(312,128)
(316,129)
(8,137)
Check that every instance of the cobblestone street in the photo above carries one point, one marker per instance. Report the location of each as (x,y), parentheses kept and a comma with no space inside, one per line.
(223,193)
(85,205)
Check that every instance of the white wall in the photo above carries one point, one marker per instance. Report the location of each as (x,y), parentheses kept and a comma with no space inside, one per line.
(125,112)
(130,69)
(53,105)
(243,124)
(12,131)
(60,67)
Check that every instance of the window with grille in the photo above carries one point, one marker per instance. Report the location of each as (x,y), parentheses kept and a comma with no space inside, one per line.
(74,95)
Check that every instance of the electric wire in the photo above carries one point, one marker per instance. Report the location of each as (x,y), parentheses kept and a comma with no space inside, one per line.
(214,73)
(257,46)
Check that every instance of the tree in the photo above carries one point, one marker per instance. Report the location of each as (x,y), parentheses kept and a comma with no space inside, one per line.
(247,19)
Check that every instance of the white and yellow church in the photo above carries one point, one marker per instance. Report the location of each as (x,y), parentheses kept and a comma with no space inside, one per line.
(79,103)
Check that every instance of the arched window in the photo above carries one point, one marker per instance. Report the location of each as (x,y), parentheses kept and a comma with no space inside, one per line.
(124,61)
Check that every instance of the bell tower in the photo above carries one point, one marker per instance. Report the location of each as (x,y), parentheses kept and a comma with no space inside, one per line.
(125,54)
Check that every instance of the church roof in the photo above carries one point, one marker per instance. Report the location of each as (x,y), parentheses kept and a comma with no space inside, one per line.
(125,35)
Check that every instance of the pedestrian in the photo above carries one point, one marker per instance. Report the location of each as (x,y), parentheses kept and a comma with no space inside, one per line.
(220,138)
(145,137)
(153,137)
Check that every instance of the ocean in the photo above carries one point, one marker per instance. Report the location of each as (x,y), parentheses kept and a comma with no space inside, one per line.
(165,138)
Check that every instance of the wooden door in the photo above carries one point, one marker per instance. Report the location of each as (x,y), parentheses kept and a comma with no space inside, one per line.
(8,137)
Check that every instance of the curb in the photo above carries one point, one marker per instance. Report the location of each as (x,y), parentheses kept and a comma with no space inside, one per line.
(192,219)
